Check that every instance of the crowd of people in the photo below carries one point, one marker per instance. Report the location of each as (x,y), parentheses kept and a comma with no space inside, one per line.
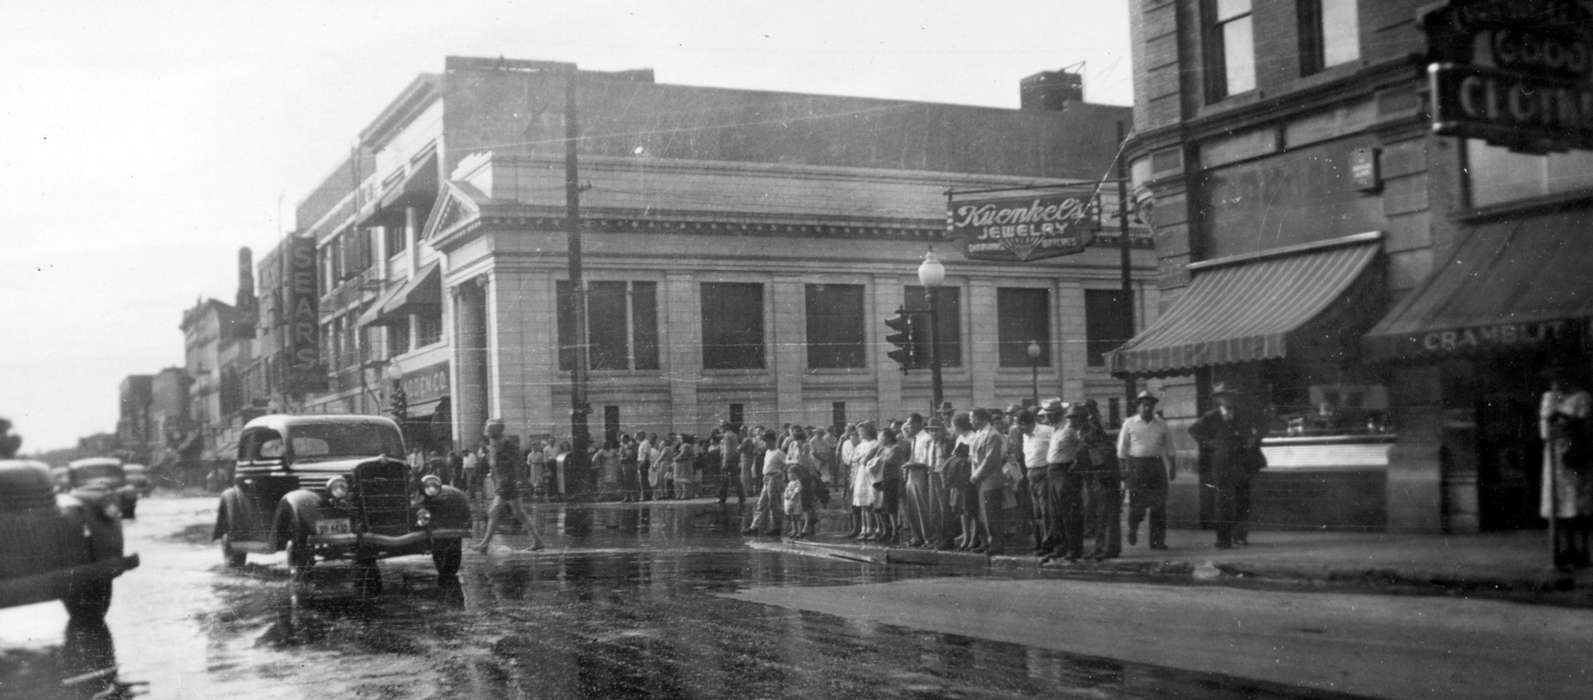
(1048,478)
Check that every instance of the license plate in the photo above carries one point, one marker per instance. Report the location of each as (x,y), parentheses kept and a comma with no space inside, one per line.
(332,526)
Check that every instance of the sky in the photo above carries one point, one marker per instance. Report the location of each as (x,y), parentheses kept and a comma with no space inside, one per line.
(141,144)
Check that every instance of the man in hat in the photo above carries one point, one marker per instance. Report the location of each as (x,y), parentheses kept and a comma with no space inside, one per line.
(1103,486)
(1230,442)
(1145,447)
(1065,486)
(1035,431)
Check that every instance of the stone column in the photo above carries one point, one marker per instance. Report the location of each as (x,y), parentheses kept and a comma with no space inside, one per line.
(982,333)
(788,333)
(887,374)
(523,364)
(1072,350)
(680,339)
(470,396)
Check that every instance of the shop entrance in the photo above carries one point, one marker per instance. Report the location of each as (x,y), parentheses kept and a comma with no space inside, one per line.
(1509,451)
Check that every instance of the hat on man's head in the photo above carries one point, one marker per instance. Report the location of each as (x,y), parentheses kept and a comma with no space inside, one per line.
(1146,397)
(1051,406)
(1013,408)
(1223,388)
(945,407)
(1078,410)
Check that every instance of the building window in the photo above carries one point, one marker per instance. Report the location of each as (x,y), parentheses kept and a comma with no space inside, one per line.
(948,325)
(1498,175)
(836,335)
(620,317)
(732,325)
(1230,49)
(1023,315)
(1329,34)
(1106,326)
(397,239)
(428,328)
(398,338)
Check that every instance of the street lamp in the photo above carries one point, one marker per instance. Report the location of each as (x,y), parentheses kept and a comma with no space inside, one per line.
(930,274)
(1034,369)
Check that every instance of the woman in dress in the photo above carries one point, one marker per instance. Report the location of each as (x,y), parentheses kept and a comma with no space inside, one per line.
(863,480)
(1567,484)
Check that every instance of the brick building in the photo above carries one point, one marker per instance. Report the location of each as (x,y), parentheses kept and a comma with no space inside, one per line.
(1386,292)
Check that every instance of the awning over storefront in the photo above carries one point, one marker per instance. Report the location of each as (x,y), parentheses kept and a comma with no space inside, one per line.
(1260,306)
(1513,285)
(421,291)
(424,410)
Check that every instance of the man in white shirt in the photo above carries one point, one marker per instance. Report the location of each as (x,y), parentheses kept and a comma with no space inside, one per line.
(917,503)
(1036,446)
(1065,486)
(1145,446)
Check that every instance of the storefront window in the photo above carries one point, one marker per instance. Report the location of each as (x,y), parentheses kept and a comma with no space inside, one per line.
(1306,400)
(732,325)
(1022,316)
(1498,175)
(835,326)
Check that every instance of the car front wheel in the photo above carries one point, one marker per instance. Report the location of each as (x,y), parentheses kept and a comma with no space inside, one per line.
(88,600)
(446,555)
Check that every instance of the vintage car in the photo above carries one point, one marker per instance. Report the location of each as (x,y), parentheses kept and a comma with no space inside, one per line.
(139,478)
(325,487)
(106,473)
(58,546)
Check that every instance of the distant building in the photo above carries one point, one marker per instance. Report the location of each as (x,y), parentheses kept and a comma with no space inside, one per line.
(741,251)
(133,427)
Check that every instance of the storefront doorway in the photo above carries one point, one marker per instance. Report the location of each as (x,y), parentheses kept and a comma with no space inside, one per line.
(1509,451)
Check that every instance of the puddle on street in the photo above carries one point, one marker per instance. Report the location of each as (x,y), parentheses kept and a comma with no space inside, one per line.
(622,603)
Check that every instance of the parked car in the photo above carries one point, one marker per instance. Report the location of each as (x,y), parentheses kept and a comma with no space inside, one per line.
(138,477)
(107,473)
(65,547)
(326,487)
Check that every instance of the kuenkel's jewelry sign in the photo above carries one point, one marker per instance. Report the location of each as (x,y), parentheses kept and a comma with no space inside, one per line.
(1023,228)
(1512,72)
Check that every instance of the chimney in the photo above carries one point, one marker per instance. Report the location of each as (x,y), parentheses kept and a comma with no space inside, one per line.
(1051,91)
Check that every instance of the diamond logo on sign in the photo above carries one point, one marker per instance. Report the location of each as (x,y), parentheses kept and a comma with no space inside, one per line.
(1023,228)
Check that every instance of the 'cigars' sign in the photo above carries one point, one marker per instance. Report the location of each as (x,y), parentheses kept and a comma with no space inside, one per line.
(1023,228)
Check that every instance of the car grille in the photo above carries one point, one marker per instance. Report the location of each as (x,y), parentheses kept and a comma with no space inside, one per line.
(37,541)
(379,488)
(26,499)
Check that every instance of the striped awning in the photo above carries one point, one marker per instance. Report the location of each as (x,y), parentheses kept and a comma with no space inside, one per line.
(1261,306)
(424,289)
(1512,285)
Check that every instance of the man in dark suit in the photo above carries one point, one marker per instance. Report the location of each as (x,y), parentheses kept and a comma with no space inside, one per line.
(1230,439)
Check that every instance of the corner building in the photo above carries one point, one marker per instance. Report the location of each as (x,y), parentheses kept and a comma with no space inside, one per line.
(741,250)
(1387,293)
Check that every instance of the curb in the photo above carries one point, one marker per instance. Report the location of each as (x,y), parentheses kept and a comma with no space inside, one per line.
(1546,582)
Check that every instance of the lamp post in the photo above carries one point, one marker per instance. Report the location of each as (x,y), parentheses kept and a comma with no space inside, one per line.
(1034,369)
(930,274)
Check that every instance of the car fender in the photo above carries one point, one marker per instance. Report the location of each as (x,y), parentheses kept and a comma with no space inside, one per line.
(301,507)
(229,511)
(449,509)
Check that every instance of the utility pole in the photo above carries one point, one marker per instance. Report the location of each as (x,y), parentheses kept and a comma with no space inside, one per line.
(1123,249)
(577,463)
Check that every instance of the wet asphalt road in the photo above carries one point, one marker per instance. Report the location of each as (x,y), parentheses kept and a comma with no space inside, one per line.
(626,602)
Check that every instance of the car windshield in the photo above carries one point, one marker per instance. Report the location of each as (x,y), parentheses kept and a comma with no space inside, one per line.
(109,472)
(343,440)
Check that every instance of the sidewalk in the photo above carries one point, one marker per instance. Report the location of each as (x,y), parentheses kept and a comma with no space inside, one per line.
(1509,564)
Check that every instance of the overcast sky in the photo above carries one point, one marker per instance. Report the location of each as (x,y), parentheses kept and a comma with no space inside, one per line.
(144,142)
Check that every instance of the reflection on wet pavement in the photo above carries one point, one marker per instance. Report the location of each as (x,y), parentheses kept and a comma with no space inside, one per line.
(623,603)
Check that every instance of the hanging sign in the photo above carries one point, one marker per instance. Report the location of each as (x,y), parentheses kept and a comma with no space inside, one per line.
(1023,228)
(1514,73)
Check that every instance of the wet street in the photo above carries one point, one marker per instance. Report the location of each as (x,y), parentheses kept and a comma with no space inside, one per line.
(638,601)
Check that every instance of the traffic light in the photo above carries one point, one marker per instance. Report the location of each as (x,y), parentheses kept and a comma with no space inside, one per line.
(902,338)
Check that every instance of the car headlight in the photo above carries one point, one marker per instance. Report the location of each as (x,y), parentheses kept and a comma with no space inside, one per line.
(337,486)
(422,517)
(430,485)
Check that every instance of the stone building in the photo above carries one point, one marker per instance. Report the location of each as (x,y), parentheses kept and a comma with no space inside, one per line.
(741,249)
